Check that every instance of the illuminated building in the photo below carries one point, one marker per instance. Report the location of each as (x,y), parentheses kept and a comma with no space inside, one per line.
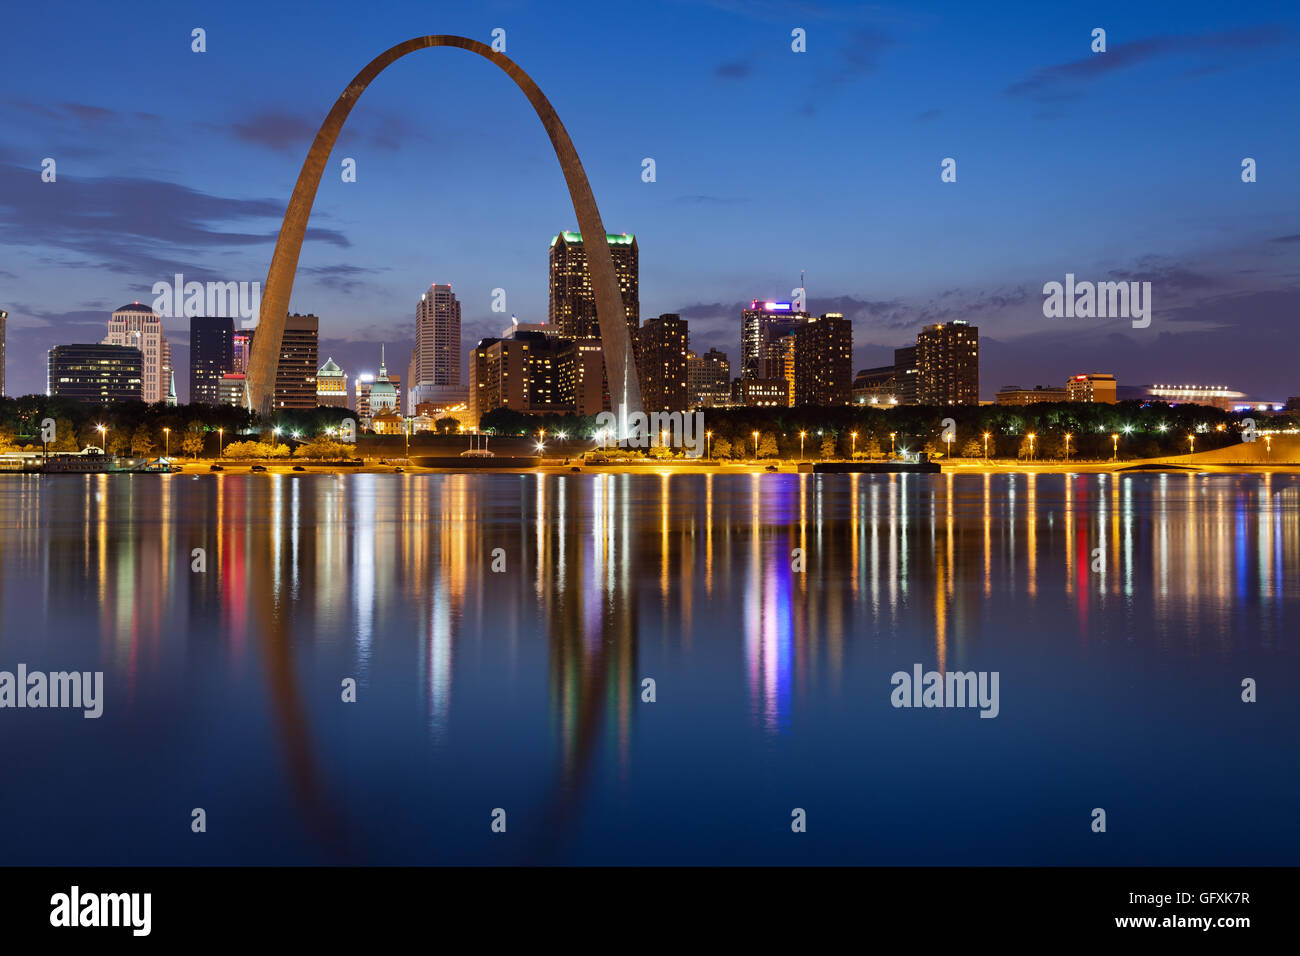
(231,390)
(211,356)
(295,375)
(331,385)
(823,361)
(1015,395)
(1091,387)
(1215,396)
(875,386)
(708,379)
(762,392)
(571,306)
(761,326)
(96,374)
(948,364)
(663,363)
(139,327)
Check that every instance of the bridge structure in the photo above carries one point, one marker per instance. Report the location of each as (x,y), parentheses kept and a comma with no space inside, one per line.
(620,369)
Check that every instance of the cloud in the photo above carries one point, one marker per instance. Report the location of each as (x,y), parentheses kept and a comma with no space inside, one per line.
(733,70)
(278,131)
(1120,56)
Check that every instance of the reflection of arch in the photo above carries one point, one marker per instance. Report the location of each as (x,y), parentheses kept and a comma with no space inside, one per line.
(625,390)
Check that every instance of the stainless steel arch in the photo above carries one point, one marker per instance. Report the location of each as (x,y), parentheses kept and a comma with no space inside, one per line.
(620,369)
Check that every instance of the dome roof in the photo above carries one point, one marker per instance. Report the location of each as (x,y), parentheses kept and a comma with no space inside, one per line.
(330,367)
(135,307)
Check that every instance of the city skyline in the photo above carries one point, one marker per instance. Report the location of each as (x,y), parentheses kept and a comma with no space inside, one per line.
(892,247)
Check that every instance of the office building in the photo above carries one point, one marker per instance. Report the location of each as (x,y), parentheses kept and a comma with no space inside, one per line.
(761,392)
(664,344)
(572,302)
(139,327)
(762,327)
(1091,387)
(948,363)
(331,385)
(708,379)
(96,374)
(232,390)
(211,356)
(823,361)
(1015,395)
(436,358)
(875,386)
(295,375)
(907,376)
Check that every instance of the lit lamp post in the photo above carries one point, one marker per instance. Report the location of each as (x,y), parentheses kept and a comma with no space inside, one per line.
(708,446)
(1191,444)
(801,436)
(986,446)
(948,438)
(103,436)
(221,442)
(1114,447)
(755,446)
(891,443)
(1268,446)
(854,447)
(167,443)
(1067,448)
(1031,436)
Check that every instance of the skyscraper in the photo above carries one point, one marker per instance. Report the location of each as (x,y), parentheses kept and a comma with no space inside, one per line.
(663,363)
(295,376)
(762,325)
(138,326)
(708,379)
(436,357)
(823,361)
(948,364)
(907,376)
(96,374)
(572,303)
(211,356)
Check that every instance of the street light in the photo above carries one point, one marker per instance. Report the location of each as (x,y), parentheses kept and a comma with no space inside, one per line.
(801,436)
(986,446)
(1114,447)
(708,446)
(103,436)
(1031,436)
(854,446)
(891,443)
(1067,448)
(1268,446)
(221,449)
(948,438)
(167,442)
(755,446)
(1191,444)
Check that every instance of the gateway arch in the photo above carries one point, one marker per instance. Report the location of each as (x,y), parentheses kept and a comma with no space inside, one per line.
(620,369)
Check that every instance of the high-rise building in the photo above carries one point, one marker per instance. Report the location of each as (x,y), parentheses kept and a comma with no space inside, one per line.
(708,379)
(907,377)
(211,356)
(4,318)
(823,361)
(663,363)
(582,376)
(1091,387)
(96,374)
(572,302)
(139,327)
(762,326)
(362,384)
(948,360)
(435,360)
(241,347)
(232,389)
(295,375)
(331,385)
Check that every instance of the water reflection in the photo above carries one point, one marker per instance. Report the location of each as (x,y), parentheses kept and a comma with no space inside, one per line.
(792,581)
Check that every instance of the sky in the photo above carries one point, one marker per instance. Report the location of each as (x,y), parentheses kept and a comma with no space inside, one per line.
(1122,165)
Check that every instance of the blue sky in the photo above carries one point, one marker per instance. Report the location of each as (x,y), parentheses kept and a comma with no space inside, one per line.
(1122,164)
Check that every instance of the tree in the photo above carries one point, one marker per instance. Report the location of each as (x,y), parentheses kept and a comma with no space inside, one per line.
(447,425)
(931,447)
(873,447)
(65,436)
(142,442)
(1026,445)
(722,448)
(193,442)
(767,446)
(8,435)
(972,448)
(828,446)
(118,443)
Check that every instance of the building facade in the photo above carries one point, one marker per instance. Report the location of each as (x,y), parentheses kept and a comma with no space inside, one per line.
(295,375)
(572,301)
(96,374)
(212,348)
(948,364)
(708,378)
(907,377)
(762,326)
(331,385)
(875,386)
(1092,387)
(664,346)
(436,358)
(823,361)
(1015,395)
(139,327)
